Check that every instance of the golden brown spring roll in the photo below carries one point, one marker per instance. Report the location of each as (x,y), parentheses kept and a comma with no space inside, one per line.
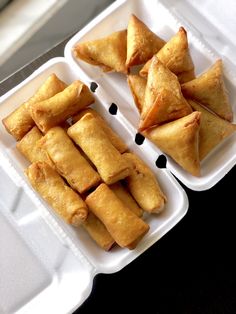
(92,139)
(19,122)
(29,146)
(122,193)
(113,137)
(124,226)
(96,228)
(55,110)
(68,161)
(49,184)
(98,232)
(144,187)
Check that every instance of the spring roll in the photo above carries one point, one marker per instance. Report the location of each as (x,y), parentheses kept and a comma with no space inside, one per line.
(57,109)
(96,228)
(65,201)
(92,139)
(19,122)
(68,161)
(98,232)
(113,137)
(124,226)
(144,187)
(122,193)
(30,147)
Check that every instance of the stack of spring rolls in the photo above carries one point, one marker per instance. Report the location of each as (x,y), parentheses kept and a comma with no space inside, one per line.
(83,169)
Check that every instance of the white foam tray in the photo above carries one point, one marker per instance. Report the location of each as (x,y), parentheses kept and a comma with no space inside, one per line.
(47,265)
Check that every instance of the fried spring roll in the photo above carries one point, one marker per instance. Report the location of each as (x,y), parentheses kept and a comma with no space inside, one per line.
(122,193)
(144,187)
(19,122)
(124,226)
(68,160)
(113,137)
(92,139)
(55,110)
(29,146)
(49,184)
(98,232)
(96,228)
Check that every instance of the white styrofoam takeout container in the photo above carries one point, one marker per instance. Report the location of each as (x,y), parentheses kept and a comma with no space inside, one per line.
(47,265)
(164,18)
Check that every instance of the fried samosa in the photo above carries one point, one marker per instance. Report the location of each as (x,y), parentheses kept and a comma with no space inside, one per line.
(186,76)
(176,57)
(109,52)
(180,140)
(142,43)
(213,130)
(163,98)
(137,85)
(209,89)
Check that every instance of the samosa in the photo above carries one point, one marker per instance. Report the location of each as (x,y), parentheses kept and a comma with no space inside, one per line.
(180,140)
(137,85)
(209,89)
(186,76)
(213,130)
(108,52)
(176,57)
(163,98)
(142,43)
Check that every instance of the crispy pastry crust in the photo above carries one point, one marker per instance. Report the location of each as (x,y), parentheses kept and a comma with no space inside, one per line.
(66,202)
(209,89)
(19,122)
(123,225)
(144,187)
(180,140)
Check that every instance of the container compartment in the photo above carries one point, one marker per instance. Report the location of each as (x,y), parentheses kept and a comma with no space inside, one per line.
(177,200)
(164,18)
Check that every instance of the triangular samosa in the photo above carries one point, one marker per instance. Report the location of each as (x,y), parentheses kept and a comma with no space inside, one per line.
(209,90)
(163,98)
(179,139)
(142,43)
(137,85)
(175,56)
(212,131)
(186,76)
(109,52)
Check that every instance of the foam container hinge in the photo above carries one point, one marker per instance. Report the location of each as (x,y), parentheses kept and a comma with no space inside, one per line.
(47,265)
(60,261)
(207,44)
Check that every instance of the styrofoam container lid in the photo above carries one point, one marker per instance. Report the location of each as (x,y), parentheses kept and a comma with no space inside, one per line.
(47,265)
